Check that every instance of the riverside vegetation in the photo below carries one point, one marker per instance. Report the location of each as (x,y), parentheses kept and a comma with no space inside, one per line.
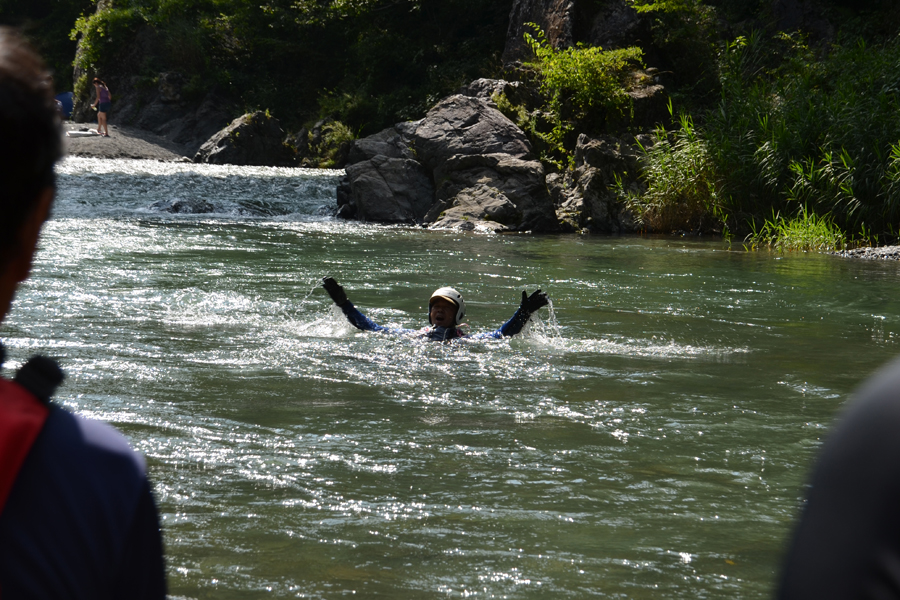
(788,137)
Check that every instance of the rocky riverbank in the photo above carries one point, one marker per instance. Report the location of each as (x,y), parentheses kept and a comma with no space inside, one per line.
(123,142)
(132,142)
(880,253)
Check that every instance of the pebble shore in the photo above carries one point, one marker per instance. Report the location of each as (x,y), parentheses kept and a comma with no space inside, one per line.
(123,142)
(880,253)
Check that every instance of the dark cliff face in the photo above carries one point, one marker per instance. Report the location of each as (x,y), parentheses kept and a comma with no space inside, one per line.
(554,17)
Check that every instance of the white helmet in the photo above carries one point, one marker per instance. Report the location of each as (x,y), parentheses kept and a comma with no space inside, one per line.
(448,293)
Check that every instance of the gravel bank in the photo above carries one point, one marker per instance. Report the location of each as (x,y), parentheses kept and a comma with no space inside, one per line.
(123,142)
(880,253)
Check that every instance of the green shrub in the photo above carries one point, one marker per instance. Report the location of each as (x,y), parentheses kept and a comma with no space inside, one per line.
(684,34)
(336,138)
(791,130)
(804,233)
(103,34)
(581,87)
(682,191)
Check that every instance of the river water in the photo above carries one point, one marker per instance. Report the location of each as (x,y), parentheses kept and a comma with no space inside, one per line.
(648,437)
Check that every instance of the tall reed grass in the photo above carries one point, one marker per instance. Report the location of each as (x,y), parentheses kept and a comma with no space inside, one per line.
(793,131)
(681,192)
(812,140)
(805,232)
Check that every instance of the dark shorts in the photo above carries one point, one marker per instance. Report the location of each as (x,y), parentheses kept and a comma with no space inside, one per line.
(104,107)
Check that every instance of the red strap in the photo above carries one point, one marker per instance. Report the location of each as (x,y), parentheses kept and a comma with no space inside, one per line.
(21,418)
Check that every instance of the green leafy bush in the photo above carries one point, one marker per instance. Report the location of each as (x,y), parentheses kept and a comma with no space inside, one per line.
(583,87)
(804,233)
(103,34)
(684,35)
(336,139)
(792,130)
(682,192)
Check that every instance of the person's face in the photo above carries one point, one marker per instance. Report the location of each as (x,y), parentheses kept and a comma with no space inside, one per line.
(443,313)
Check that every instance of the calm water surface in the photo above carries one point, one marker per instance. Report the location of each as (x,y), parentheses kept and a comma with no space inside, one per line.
(648,437)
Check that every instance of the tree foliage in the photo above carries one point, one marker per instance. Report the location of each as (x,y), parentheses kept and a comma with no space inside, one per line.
(368,63)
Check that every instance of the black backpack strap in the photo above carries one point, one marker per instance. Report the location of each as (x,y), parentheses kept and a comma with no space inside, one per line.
(40,376)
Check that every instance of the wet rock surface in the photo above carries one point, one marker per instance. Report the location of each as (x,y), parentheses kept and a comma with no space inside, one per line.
(880,253)
(253,139)
(464,166)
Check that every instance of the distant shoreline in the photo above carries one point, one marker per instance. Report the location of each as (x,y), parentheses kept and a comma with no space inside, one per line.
(130,142)
(123,142)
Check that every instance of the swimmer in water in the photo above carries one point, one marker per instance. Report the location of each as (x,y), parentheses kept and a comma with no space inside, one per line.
(446,310)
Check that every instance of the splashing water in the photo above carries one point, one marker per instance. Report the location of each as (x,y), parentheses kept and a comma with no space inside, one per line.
(666,404)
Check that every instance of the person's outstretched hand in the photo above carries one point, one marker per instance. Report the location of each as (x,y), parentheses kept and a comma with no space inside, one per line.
(531,304)
(335,290)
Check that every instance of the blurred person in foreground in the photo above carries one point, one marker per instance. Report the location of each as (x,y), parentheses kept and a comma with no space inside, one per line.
(847,542)
(77,516)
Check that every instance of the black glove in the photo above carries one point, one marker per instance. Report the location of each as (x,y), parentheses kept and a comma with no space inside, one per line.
(531,304)
(335,290)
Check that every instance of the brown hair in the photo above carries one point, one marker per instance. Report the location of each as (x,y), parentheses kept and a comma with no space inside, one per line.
(30,127)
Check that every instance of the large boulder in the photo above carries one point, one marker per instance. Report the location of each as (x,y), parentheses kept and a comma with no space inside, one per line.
(593,202)
(464,165)
(462,125)
(468,182)
(477,158)
(254,139)
(388,190)
(384,182)
(516,92)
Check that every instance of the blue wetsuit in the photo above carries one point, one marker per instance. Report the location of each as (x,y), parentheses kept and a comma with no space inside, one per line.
(438,334)
(80,520)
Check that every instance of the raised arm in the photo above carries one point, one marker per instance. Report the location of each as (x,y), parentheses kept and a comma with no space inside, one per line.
(356,318)
(530,305)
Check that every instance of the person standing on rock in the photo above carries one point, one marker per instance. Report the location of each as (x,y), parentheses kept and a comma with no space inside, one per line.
(102,104)
(446,310)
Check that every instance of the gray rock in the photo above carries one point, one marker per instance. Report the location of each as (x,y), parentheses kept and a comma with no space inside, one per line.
(192,206)
(475,155)
(649,101)
(170,86)
(390,142)
(461,125)
(593,202)
(880,253)
(515,91)
(252,139)
(619,25)
(555,18)
(482,167)
(478,207)
(521,182)
(387,190)
(187,123)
